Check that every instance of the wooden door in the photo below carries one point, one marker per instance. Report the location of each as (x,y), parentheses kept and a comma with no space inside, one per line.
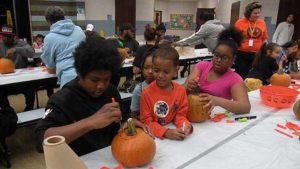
(235,12)
(287,7)
(124,12)
(22,19)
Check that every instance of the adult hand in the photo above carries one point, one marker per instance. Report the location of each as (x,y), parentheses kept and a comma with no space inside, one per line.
(10,51)
(175,134)
(211,101)
(136,70)
(106,115)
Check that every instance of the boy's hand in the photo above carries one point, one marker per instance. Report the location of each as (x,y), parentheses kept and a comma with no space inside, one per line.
(106,115)
(175,134)
(138,124)
(187,129)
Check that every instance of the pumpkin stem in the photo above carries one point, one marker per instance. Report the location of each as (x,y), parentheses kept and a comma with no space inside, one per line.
(131,128)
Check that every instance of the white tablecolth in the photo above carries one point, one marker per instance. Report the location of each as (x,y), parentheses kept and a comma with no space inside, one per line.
(248,145)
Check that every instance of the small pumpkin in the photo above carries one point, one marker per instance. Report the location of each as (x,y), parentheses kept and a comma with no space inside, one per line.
(296,109)
(6,66)
(252,84)
(280,79)
(133,147)
(196,112)
(123,52)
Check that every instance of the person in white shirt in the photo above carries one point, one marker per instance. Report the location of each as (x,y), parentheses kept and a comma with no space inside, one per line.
(284,31)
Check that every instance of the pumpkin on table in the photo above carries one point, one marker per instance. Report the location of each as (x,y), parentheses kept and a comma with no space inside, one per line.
(196,112)
(133,147)
(280,79)
(6,66)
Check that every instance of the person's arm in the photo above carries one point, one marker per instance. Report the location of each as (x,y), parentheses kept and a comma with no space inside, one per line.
(265,34)
(276,34)
(24,50)
(292,32)
(108,114)
(239,105)
(196,38)
(135,101)
(191,82)
(48,56)
(180,117)
(146,111)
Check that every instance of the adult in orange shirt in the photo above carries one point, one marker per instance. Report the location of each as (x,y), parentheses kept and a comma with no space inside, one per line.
(164,101)
(254,35)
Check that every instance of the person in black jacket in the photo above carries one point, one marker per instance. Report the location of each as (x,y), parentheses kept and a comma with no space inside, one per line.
(86,111)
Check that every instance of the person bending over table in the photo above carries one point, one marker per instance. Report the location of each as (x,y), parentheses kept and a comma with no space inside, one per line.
(18,51)
(84,110)
(218,84)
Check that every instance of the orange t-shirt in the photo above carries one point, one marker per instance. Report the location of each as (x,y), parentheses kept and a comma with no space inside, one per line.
(159,107)
(259,36)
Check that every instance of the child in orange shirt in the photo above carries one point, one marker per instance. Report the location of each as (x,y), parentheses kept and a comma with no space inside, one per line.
(164,101)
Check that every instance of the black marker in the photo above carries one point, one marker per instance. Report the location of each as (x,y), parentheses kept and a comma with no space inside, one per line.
(247,117)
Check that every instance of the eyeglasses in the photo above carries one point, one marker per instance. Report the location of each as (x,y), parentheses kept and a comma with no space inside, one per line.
(223,58)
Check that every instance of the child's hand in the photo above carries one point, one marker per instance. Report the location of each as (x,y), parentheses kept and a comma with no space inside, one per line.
(192,84)
(175,134)
(187,129)
(210,99)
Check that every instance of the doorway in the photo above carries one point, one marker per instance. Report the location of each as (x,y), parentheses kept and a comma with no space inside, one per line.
(125,13)
(287,7)
(235,12)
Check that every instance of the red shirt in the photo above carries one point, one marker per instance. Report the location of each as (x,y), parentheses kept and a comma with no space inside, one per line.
(160,107)
(259,36)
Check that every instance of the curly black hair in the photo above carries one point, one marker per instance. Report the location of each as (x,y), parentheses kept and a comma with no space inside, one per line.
(230,37)
(96,54)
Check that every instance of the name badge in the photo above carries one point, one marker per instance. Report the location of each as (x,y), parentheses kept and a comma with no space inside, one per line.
(250,42)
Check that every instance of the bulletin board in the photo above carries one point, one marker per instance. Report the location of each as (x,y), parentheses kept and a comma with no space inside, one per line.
(181,21)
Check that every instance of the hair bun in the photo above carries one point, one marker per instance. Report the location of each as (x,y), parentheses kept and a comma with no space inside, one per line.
(231,33)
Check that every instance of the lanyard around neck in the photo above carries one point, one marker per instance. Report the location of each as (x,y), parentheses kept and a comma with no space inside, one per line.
(252,29)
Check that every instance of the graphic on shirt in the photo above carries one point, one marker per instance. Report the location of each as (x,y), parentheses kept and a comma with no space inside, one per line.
(257,32)
(161,109)
(47,112)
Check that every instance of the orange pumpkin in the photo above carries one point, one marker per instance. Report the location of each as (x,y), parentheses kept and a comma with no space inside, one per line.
(133,147)
(296,109)
(6,66)
(196,112)
(280,79)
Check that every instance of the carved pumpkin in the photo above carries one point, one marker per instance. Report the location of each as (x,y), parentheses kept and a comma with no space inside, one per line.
(6,66)
(133,147)
(196,112)
(280,79)
(296,109)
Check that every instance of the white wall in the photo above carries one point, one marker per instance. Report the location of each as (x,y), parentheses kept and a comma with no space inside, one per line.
(173,7)
(99,9)
(144,10)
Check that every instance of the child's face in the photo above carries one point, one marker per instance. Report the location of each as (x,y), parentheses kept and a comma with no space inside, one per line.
(222,59)
(147,70)
(39,41)
(164,70)
(291,49)
(275,53)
